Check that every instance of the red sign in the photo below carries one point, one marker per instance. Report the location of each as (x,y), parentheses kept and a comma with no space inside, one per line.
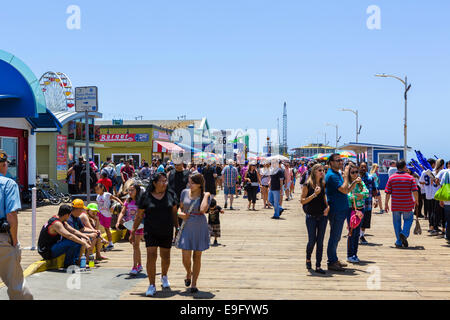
(127,137)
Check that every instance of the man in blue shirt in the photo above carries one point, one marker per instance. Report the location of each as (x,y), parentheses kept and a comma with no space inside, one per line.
(337,188)
(11,271)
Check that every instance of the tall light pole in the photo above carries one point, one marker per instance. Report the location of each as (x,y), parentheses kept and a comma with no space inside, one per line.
(337,132)
(405,126)
(355,112)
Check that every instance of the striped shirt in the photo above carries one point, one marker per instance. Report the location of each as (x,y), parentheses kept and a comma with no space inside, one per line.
(401,187)
(229,176)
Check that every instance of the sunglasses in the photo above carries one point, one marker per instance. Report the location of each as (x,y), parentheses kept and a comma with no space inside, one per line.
(354,172)
(338,160)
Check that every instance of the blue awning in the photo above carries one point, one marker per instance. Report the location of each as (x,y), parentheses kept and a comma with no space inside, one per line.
(186,147)
(45,122)
(20,92)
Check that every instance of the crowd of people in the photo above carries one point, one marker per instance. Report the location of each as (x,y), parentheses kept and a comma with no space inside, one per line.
(179,208)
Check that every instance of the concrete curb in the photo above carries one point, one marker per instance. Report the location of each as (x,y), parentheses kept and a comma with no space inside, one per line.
(56,263)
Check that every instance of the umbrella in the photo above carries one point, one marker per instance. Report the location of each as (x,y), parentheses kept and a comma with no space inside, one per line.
(278,157)
(201,155)
(317,156)
(257,158)
(325,156)
(347,154)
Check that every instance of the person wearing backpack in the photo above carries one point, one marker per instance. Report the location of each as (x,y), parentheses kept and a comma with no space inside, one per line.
(111,174)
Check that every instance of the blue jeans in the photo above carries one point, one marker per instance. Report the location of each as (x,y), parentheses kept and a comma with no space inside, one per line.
(68,247)
(118,183)
(447,221)
(316,227)
(274,200)
(353,240)
(337,219)
(408,218)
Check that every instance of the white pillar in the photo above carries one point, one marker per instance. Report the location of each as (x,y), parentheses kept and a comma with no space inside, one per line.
(32,158)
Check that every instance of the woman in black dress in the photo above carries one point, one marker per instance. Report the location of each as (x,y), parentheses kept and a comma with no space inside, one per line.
(158,208)
(252,180)
(209,173)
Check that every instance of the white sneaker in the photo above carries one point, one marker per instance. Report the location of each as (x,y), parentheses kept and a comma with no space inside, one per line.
(165,282)
(150,291)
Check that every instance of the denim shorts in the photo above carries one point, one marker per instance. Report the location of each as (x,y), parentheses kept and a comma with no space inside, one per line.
(229,190)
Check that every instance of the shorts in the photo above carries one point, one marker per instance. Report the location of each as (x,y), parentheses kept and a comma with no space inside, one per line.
(365,223)
(229,190)
(158,241)
(104,221)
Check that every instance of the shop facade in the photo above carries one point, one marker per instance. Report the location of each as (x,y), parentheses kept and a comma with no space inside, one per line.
(56,150)
(139,141)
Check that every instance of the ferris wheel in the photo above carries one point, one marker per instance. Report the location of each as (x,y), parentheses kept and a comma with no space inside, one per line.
(58,91)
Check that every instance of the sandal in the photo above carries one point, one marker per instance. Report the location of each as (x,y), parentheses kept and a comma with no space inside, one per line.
(187,282)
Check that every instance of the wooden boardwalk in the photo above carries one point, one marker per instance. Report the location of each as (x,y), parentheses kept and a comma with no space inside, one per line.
(261,258)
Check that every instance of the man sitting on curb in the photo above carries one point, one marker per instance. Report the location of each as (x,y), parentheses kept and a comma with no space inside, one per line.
(57,238)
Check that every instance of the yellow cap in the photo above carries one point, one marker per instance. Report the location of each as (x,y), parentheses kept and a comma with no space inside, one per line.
(78,204)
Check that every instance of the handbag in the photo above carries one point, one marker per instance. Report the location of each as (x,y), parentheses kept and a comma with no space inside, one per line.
(355,218)
(443,194)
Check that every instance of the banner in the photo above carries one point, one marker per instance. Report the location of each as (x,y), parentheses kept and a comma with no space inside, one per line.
(158,135)
(128,137)
(61,157)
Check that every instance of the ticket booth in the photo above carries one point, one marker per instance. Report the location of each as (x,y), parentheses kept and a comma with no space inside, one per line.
(377,153)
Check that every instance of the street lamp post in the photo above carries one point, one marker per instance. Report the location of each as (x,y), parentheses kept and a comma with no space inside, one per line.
(355,112)
(337,132)
(405,126)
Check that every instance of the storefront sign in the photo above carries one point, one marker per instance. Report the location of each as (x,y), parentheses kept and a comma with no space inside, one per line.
(128,137)
(61,157)
(160,135)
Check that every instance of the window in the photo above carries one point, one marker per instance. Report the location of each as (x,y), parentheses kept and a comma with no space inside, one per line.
(10,145)
(125,156)
(384,161)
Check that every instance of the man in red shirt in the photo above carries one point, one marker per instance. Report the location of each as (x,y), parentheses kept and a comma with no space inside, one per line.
(127,171)
(106,181)
(402,188)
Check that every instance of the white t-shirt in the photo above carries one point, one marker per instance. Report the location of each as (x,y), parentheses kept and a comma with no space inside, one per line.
(441,177)
(429,186)
(104,202)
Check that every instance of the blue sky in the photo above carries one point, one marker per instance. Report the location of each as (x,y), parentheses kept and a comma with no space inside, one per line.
(237,61)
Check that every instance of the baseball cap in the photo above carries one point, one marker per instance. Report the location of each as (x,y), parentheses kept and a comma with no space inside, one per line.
(3,156)
(78,204)
(93,207)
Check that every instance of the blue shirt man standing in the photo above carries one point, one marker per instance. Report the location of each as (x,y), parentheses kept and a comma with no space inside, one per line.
(337,188)
(11,271)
